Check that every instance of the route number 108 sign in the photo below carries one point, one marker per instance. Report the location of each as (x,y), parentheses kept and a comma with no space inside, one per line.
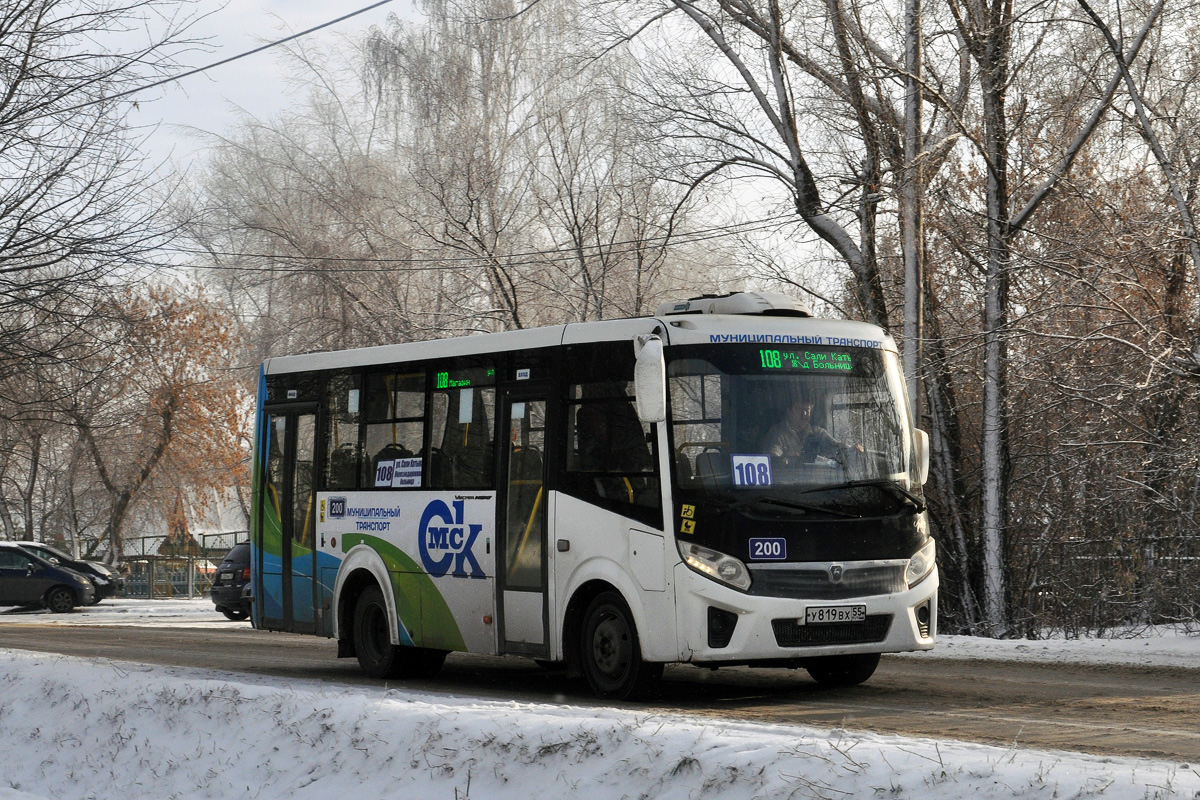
(751,470)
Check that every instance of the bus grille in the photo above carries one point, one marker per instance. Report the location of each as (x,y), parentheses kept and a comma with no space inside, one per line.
(814,584)
(789,633)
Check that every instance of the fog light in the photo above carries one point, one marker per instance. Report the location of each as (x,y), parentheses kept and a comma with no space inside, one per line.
(924,614)
(720,627)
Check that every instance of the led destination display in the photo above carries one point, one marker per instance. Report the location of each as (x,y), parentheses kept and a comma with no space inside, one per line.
(796,360)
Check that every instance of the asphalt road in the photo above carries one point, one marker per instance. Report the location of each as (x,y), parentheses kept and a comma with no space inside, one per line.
(1113,710)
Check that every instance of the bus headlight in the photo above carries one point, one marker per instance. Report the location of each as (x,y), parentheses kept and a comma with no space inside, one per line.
(716,565)
(921,564)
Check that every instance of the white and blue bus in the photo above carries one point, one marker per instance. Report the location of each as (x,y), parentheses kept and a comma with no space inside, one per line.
(728,482)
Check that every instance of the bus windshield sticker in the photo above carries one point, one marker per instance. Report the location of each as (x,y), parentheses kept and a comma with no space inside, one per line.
(523,374)
(352,402)
(751,470)
(466,406)
(407,473)
(400,473)
(687,519)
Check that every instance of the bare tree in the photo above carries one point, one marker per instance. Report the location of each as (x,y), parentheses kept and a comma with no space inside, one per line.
(819,74)
(77,209)
(471,172)
(165,413)
(608,218)
(987,29)
(74,207)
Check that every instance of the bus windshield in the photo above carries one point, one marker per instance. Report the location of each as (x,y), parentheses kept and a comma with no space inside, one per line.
(790,426)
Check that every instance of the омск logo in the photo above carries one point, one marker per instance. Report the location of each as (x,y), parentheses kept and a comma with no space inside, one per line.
(453,542)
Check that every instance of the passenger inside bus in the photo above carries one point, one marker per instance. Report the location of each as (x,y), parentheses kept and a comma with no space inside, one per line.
(593,445)
(610,439)
(342,466)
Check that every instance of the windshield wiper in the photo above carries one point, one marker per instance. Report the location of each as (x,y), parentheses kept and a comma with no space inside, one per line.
(775,501)
(883,483)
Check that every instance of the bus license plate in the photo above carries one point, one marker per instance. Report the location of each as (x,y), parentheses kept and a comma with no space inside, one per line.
(828,615)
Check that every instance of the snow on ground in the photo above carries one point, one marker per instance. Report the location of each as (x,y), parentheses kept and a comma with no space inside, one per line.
(76,728)
(181,613)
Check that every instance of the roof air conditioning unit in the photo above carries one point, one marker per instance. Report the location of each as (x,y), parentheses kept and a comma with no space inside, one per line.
(761,303)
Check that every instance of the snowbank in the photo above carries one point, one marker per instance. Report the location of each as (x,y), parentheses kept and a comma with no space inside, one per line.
(74,728)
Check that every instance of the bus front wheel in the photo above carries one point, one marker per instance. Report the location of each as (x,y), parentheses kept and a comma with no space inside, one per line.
(848,670)
(610,652)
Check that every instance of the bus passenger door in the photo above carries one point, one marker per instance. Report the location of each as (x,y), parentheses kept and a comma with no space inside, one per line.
(522,525)
(286,552)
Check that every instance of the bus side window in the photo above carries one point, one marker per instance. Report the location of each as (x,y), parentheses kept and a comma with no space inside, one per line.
(395,410)
(462,438)
(701,454)
(609,438)
(341,433)
(610,461)
(303,521)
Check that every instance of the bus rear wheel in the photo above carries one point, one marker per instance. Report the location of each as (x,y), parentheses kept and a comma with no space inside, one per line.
(611,654)
(376,654)
(848,670)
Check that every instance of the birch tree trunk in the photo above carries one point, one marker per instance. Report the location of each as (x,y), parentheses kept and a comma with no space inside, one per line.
(912,186)
(946,446)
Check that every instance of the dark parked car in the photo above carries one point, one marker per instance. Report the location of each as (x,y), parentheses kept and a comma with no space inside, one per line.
(229,590)
(27,579)
(107,580)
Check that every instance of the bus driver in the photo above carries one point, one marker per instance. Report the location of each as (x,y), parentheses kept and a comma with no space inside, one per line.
(796,437)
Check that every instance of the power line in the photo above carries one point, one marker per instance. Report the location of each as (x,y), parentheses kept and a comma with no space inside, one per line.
(222,62)
(448,263)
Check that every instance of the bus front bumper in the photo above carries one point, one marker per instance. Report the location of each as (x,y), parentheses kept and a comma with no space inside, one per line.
(719,625)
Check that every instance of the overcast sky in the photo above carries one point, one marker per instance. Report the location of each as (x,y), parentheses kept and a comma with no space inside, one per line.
(207,101)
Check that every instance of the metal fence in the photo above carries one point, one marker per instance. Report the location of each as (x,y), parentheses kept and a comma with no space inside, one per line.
(1095,585)
(155,572)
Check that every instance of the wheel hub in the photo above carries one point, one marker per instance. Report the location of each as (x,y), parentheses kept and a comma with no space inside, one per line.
(610,646)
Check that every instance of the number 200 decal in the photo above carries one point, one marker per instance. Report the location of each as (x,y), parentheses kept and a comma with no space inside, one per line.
(768,549)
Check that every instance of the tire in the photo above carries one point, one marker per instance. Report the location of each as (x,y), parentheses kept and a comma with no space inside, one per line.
(611,653)
(421,662)
(372,638)
(60,600)
(376,654)
(849,670)
(235,614)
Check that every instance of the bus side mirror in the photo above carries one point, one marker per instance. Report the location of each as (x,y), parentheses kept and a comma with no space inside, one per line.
(921,440)
(650,379)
